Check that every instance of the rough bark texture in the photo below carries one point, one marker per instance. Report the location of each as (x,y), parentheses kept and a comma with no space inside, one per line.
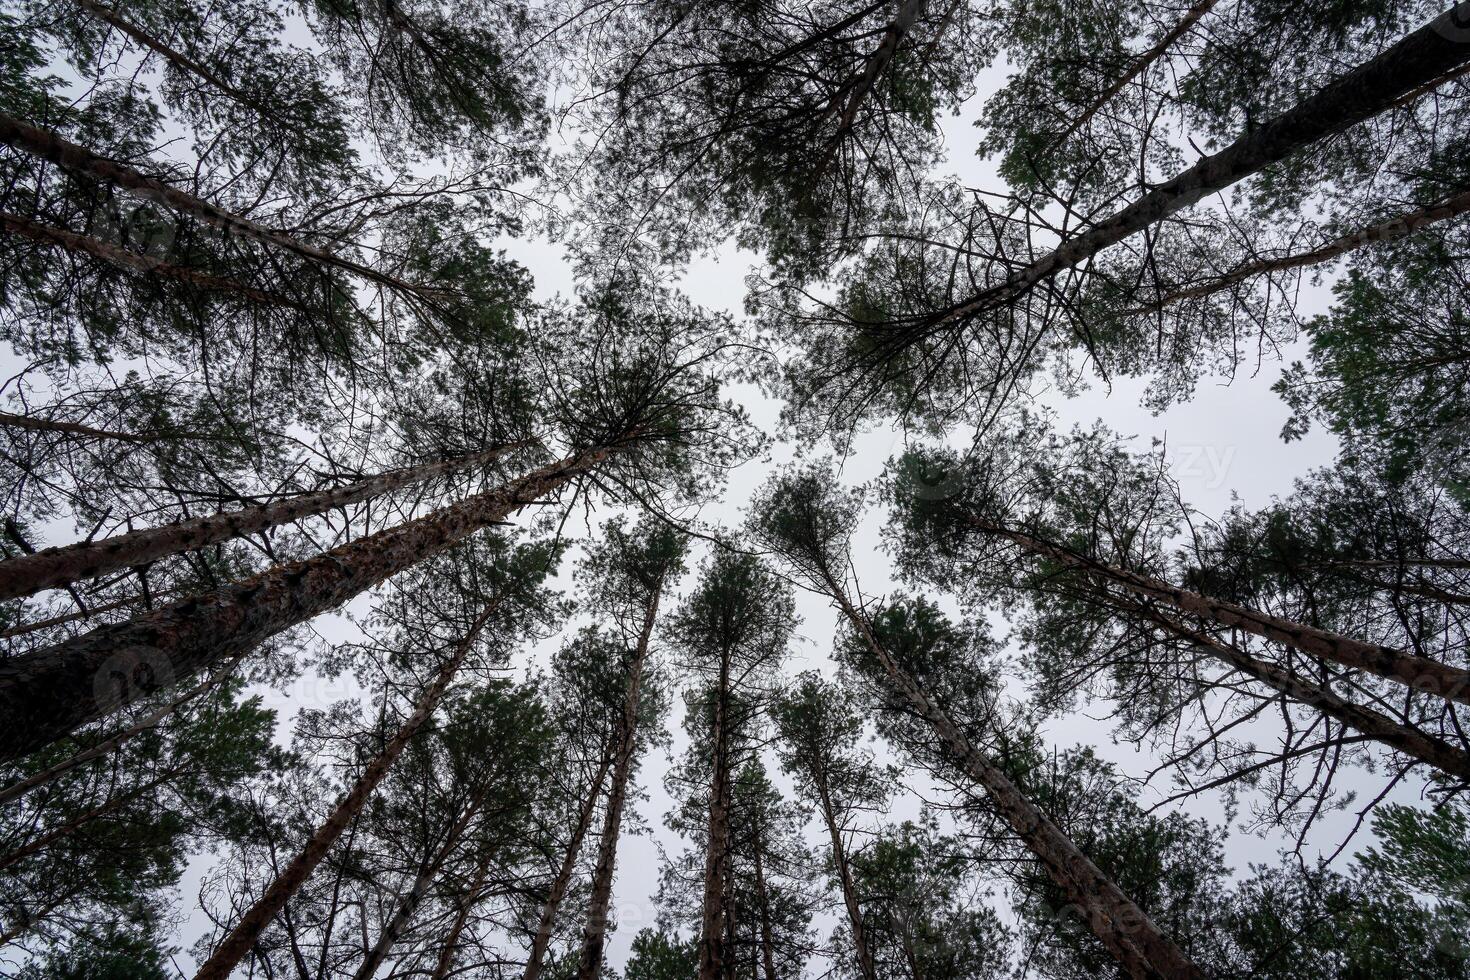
(137,262)
(1385,231)
(56,567)
(1427,54)
(50,147)
(546,927)
(1127,932)
(1420,673)
(237,943)
(717,847)
(594,934)
(47,694)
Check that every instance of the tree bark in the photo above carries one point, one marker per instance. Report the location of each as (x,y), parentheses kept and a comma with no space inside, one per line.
(863,84)
(1425,55)
(34,424)
(56,567)
(768,939)
(546,927)
(49,146)
(240,939)
(1419,673)
(589,962)
(47,694)
(1364,720)
(449,948)
(1127,932)
(1385,231)
(844,878)
(717,847)
(124,258)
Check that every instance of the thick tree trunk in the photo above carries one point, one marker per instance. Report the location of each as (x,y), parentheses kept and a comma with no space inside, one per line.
(395,927)
(844,879)
(1427,54)
(1385,231)
(147,723)
(1123,928)
(49,146)
(234,946)
(47,694)
(1137,67)
(1419,673)
(124,258)
(717,847)
(546,927)
(56,567)
(1366,721)
(594,935)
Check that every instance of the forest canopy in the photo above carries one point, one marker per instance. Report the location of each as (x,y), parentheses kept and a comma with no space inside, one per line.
(616,490)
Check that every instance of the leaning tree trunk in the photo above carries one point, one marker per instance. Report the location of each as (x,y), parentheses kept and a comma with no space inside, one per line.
(717,847)
(1419,673)
(241,938)
(146,264)
(33,424)
(844,878)
(49,146)
(47,694)
(1138,944)
(589,963)
(449,948)
(57,567)
(409,903)
(861,86)
(1384,231)
(1366,721)
(536,962)
(1421,58)
(768,938)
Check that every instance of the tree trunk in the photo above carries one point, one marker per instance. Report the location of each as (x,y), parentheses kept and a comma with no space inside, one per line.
(1419,673)
(1366,721)
(240,939)
(147,723)
(56,567)
(862,85)
(844,878)
(1123,928)
(717,847)
(409,903)
(49,146)
(49,693)
(1425,55)
(546,927)
(449,948)
(146,264)
(589,962)
(34,424)
(768,939)
(1386,231)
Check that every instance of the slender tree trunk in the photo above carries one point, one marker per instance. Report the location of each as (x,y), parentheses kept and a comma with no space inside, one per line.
(1364,720)
(393,930)
(146,264)
(1386,231)
(56,567)
(450,947)
(844,878)
(1428,53)
(49,146)
(47,694)
(1420,673)
(42,624)
(34,424)
(1127,932)
(147,723)
(862,86)
(717,848)
(1136,68)
(589,962)
(546,927)
(82,819)
(237,943)
(768,939)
